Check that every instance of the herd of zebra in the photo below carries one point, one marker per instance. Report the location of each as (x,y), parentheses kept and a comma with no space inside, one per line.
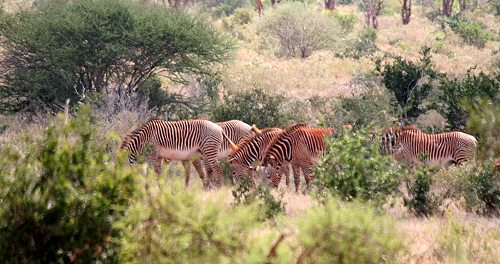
(204,143)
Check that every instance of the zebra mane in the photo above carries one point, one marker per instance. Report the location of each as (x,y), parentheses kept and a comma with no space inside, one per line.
(294,127)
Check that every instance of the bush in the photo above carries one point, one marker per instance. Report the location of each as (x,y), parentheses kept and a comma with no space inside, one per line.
(60,198)
(347,233)
(69,49)
(410,82)
(454,95)
(346,22)
(245,194)
(471,32)
(484,184)
(483,122)
(167,223)
(362,46)
(221,8)
(299,30)
(354,168)
(252,107)
(420,199)
(372,107)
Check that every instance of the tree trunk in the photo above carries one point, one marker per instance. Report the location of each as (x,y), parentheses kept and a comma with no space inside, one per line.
(260,7)
(329,4)
(406,12)
(463,5)
(447,7)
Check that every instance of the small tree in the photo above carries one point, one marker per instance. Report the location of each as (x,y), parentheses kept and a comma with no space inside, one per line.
(300,30)
(406,12)
(410,82)
(68,49)
(372,9)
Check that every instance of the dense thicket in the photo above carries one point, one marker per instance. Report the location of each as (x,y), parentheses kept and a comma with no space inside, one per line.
(68,49)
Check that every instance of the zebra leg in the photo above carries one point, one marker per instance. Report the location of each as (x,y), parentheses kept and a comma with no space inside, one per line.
(296,176)
(286,172)
(307,175)
(198,165)
(157,162)
(185,164)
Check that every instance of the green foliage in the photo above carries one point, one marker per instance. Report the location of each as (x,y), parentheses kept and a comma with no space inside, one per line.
(221,8)
(471,32)
(483,122)
(420,199)
(363,45)
(372,107)
(243,16)
(354,168)
(68,49)
(346,21)
(245,194)
(454,95)
(299,30)
(61,197)
(484,184)
(410,82)
(348,233)
(252,107)
(167,223)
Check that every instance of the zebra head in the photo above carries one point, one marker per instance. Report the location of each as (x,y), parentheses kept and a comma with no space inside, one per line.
(239,170)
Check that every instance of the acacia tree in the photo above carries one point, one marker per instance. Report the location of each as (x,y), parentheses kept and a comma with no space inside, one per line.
(70,49)
(406,12)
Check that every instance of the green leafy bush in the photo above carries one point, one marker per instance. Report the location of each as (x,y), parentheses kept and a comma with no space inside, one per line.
(471,32)
(483,122)
(61,197)
(454,95)
(484,184)
(299,30)
(363,45)
(70,49)
(167,223)
(420,200)
(346,21)
(371,107)
(354,168)
(252,107)
(347,233)
(245,194)
(410,82)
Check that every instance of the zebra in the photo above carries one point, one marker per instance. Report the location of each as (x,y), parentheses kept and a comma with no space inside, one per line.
(301,146)
(414,146)
(178,140)
(235,130)
(250,149)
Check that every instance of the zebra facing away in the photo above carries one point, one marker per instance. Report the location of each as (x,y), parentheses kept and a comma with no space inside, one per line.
(179,140)
(251,149)
(414,146)
(300,145)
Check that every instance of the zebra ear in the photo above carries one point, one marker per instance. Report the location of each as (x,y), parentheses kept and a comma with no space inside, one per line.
(256,129)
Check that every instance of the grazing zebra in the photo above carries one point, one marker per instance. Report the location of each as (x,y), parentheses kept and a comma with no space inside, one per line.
(249,150)
(301,146)
(235,130)
(410,144)
(179,140)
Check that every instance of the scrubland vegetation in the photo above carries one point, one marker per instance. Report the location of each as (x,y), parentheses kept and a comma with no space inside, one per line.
(67,195)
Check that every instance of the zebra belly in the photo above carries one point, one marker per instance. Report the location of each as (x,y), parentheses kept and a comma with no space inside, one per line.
(175,154)
(223,154)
